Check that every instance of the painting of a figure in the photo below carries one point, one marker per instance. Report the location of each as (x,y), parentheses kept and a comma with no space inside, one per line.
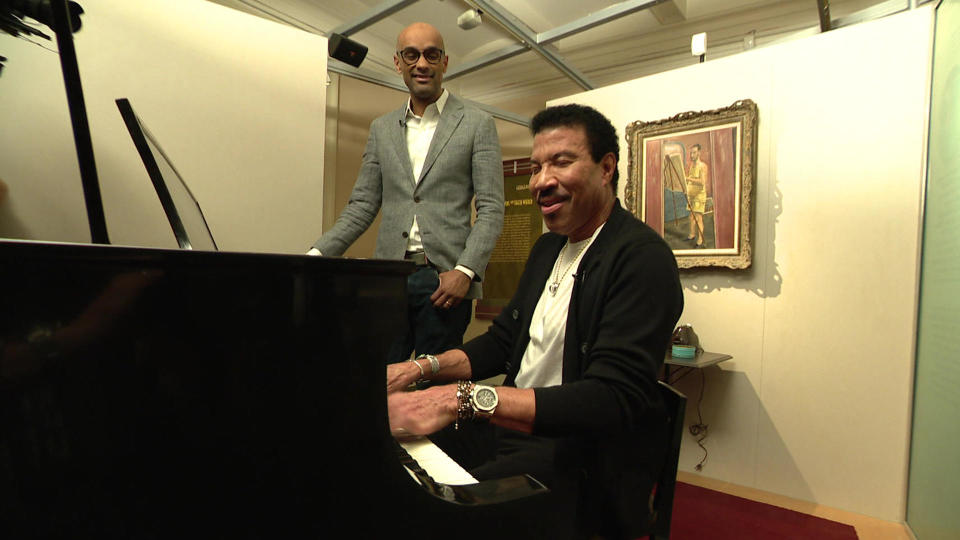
(693,165)
(690,180)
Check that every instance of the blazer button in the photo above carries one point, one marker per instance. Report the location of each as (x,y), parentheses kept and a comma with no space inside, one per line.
(584,348)
(404,234)
(416,199)
(508,366)
(515,314)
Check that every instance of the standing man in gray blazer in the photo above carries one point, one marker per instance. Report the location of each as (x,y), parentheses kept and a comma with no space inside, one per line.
(423,164)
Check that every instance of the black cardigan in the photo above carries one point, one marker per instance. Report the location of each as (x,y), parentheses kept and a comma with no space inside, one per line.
(625,303)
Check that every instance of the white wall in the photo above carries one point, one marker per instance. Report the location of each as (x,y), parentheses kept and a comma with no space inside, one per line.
(816,401)
(237,103)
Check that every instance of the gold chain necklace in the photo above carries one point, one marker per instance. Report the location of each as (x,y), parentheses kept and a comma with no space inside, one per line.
(558,276)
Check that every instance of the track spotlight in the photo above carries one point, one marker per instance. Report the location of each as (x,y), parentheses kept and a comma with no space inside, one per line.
(469,19)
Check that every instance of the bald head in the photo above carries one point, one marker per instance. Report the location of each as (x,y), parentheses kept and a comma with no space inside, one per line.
(419,30)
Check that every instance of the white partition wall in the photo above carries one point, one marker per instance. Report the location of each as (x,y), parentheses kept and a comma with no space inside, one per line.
(237,102)
(816,402)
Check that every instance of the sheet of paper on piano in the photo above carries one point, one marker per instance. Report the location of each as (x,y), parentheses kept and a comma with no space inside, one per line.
(435,462)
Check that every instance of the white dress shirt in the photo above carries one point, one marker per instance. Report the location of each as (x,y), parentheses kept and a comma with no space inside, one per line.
(420,130)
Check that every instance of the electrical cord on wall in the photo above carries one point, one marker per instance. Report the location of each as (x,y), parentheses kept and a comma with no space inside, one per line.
(699,430)
(686,371)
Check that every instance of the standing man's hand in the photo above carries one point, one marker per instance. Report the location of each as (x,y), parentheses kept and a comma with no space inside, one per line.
(454,285)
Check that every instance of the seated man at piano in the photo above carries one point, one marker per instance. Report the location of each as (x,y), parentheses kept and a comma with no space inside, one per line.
(580,344)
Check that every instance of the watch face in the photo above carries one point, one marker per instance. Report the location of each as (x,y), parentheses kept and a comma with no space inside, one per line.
(486,398)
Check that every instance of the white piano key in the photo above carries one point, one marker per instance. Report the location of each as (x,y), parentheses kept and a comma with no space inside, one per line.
(438,465)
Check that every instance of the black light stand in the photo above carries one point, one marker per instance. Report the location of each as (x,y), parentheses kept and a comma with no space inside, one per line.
(78,116)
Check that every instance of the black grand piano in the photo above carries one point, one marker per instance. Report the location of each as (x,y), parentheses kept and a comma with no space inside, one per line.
(150,393)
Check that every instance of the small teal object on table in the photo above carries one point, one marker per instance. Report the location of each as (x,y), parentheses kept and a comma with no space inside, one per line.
(683,351)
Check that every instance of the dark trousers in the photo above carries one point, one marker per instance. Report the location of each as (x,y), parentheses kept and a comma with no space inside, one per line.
(430,330)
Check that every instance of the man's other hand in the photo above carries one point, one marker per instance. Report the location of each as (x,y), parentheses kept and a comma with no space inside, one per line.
(454,285)
(401,375)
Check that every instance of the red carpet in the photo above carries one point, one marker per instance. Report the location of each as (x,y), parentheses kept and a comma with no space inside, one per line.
(705,514)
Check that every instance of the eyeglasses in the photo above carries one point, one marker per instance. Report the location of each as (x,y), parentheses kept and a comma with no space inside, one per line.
(411,56)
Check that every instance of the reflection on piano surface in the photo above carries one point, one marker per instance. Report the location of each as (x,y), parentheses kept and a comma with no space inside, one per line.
(150,393)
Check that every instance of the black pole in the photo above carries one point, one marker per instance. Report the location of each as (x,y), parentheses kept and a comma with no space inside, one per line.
(78,116)
(823,10)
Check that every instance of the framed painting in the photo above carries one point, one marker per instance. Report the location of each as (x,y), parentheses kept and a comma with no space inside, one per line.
(691,178)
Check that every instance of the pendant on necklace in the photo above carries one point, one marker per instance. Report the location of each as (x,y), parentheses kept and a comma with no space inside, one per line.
(553,288)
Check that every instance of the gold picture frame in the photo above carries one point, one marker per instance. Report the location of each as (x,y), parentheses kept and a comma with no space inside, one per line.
(691,178)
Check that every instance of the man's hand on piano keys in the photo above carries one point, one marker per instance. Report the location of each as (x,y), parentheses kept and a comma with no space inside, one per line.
(401,375)
(422,412)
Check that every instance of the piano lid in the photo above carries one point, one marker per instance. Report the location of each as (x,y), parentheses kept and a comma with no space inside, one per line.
(179,204)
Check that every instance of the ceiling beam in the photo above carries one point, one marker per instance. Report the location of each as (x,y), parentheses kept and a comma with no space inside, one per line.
(526,36)
(670,12)
(506,116)
(596,18)
(343,68)
(467,67)
(873,12)
(378,13)
(261,10)
(347,70)
(605,15)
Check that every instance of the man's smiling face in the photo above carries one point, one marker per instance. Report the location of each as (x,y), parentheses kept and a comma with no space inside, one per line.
(423,78)
(570,188)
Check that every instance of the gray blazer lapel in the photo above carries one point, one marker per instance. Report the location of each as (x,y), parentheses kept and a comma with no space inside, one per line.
(449,120)
(398,139)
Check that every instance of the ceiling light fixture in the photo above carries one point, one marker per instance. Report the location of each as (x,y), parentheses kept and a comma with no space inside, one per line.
(469,19)
(698,45)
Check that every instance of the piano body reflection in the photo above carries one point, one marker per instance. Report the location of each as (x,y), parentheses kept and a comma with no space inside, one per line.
(148,393)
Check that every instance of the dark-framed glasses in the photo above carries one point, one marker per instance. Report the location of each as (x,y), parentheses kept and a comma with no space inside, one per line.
(412,56)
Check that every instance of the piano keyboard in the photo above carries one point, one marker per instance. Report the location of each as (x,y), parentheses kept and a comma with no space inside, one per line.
(438,465)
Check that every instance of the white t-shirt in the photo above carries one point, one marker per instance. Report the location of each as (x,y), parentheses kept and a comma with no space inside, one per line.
(542,363)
